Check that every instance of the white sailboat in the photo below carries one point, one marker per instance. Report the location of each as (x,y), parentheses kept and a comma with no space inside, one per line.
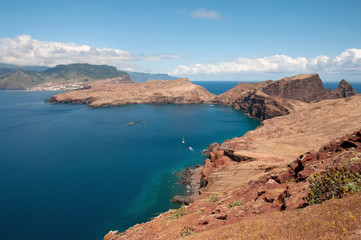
(183,140)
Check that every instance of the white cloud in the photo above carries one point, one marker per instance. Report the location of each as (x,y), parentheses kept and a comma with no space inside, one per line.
(203,13)
(349,60)
(158,57)
(23,50)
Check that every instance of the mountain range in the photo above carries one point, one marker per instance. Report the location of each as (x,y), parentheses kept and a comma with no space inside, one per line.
(23,77)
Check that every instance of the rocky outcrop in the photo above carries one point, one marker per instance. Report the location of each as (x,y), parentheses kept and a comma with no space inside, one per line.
(266,170)
(191,178)
(211,147)
(180,91)
(344,89)
(304,88)
(282,190)
(272,99)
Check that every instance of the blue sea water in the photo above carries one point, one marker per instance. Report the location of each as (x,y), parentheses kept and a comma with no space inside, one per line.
(333,85)
(69,172)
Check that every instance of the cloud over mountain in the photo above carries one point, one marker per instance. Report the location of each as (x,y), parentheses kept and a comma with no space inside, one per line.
(24,50)
(347,61)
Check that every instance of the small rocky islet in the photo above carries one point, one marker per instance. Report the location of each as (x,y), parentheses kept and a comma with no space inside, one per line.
(306,130)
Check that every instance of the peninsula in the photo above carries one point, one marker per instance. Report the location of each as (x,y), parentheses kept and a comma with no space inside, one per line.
(156,91)
(250,184)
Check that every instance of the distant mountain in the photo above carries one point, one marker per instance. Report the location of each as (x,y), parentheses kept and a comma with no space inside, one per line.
(143,77)
(13,68)
(83,70)
(21,79)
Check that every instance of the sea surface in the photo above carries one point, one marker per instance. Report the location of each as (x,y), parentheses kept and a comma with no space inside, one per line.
(69,172)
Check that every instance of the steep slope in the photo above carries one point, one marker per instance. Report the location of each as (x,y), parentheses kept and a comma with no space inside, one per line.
(161,91)
(271,99)
(21,79)
(265,172)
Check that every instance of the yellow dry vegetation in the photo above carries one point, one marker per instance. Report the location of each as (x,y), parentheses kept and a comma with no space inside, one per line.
(334,219)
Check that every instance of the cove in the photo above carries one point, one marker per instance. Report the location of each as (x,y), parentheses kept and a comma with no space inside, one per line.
(69,172)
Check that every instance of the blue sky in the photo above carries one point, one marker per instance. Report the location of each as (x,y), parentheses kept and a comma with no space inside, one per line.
(199,39)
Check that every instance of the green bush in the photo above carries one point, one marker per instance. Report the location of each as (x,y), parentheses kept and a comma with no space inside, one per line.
(186,231)
(354,159)
(179,212)
(334,182)
(213,198)
(235,203)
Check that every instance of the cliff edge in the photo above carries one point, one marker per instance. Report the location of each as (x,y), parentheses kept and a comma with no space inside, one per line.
(277,98)
(268,170)
(265,174)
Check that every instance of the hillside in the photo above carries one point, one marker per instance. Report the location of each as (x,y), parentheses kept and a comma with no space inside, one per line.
(61,74)
(277,98)
(161,91)
(12,68)
(21,79)
(267,173)
(82,72)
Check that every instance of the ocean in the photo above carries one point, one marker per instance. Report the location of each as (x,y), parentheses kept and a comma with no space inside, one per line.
(69,172)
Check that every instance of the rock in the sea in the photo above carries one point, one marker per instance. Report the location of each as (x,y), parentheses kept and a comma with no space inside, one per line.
(190,179)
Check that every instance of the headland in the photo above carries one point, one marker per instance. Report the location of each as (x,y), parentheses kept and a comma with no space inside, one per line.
(306,132)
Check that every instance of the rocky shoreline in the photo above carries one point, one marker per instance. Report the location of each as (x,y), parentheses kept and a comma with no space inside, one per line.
(266,169)
(189,178)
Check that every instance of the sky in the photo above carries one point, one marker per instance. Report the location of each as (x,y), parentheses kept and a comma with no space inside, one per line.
(242,40)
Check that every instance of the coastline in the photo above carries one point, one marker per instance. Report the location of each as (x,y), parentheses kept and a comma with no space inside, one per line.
(245,159)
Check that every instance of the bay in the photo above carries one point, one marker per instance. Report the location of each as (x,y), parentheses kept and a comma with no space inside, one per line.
(69,172)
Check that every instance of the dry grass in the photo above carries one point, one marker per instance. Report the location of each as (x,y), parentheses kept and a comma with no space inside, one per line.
(334,219)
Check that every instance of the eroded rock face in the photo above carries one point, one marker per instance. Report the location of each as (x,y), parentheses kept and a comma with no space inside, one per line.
(180,91)
(304,88)
(285,190)
(344,89)
(272,99)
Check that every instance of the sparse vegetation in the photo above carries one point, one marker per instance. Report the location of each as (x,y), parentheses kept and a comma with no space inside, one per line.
(186,231)
(292,179)
(235,203)
(355,159)
(212,198)
(336,219)
(199,212)
(179,212)
(334,182)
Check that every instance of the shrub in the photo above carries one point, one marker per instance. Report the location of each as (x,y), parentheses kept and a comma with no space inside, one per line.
(179,212)
(235,203)
(187,231)
(354,159)
(213,197)
(334,182)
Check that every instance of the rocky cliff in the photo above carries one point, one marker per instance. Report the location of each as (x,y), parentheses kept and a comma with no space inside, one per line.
(268,170)
(162,91)
(271,99)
